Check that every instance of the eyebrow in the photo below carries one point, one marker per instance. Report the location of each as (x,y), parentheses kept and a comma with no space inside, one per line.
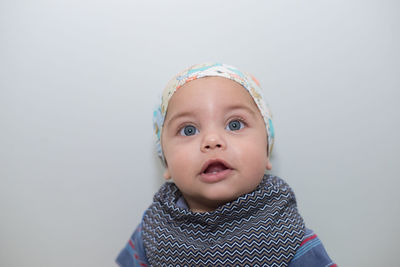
(179,115)
(228,108)
(243,107)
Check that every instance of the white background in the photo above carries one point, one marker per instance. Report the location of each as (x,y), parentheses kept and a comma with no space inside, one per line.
(79,80)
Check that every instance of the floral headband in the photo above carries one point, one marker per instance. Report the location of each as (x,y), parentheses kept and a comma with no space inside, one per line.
(209,70)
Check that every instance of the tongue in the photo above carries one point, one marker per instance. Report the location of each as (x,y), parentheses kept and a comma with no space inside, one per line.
(215,167)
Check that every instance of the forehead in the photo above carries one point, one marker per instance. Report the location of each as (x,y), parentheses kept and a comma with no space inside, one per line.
(205,90)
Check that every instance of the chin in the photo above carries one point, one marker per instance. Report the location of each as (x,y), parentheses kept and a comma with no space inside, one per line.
(223,197)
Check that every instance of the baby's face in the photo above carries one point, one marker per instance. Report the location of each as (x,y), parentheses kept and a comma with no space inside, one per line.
(214,141)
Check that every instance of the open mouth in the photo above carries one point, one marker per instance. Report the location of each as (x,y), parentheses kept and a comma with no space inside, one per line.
(215,166)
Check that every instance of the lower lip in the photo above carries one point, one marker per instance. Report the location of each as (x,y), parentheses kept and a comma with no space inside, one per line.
(215,177)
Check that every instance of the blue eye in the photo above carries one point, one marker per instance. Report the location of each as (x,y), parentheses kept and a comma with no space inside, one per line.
(188,130)
(235,125)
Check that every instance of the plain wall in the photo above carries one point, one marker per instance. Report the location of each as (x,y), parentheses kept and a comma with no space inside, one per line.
(79,80)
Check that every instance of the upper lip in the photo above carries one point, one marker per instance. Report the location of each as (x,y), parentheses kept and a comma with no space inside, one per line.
(212,161)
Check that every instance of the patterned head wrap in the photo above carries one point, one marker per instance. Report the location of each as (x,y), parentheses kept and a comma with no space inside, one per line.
(194,72)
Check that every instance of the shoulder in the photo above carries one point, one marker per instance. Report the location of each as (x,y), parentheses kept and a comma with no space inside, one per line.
(133,254)
(311,253)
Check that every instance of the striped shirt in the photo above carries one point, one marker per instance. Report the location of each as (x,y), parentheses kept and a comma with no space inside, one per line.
(311,252)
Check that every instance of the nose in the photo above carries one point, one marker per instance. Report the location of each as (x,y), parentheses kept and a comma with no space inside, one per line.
(212,141)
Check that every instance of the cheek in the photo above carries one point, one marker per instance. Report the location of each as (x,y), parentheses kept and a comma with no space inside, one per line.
(180,157)
(253,154)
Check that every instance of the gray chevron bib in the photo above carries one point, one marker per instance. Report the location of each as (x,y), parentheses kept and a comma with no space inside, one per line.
(261,228)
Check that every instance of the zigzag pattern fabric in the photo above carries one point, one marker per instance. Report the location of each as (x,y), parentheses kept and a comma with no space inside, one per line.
(261,228)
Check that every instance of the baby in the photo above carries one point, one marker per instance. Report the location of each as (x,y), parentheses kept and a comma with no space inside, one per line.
(214,136)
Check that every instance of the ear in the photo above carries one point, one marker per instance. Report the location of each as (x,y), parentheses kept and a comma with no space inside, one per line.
(268,166)
(166,174)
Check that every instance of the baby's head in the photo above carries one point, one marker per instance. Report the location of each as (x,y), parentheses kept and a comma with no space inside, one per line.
(214,134)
